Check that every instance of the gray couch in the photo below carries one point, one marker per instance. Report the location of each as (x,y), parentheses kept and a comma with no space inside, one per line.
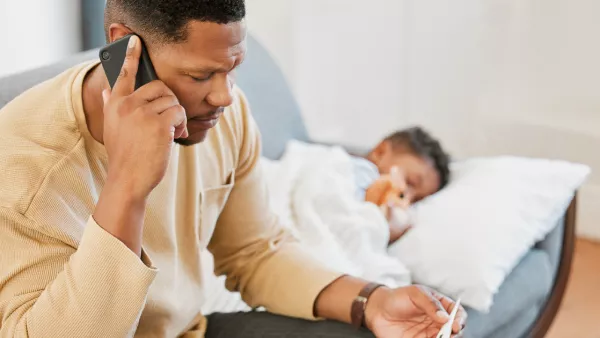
(529,298)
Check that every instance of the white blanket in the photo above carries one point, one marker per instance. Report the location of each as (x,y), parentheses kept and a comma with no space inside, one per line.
(312,190)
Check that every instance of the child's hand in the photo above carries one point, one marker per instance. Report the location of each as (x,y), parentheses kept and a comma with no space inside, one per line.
(399,221)
(389,192)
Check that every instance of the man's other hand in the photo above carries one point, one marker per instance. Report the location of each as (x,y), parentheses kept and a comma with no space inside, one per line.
(411,312)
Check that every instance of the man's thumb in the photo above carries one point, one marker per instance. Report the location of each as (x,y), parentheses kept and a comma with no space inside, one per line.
(105,96)
(430,305)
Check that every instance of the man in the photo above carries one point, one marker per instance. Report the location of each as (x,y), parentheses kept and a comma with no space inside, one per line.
(103,218)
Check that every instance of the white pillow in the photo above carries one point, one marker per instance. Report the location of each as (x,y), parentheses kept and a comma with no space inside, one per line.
(469,236)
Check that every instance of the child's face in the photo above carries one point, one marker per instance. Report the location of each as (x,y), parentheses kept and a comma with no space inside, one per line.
(422,179)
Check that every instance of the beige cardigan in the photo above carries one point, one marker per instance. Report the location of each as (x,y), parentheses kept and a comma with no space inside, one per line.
(61,275)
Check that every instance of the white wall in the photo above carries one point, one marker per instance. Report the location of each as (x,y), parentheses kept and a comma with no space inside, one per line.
(488,77)
(541,95)
(271,22)
(37,32)
(348,68)
(327,56)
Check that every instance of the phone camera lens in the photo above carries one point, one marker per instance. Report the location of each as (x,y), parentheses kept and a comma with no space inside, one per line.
(105,56)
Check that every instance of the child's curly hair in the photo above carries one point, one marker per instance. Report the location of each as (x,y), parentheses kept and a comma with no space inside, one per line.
(421,143)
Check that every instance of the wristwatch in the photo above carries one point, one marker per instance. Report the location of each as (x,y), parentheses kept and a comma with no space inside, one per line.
(357,312)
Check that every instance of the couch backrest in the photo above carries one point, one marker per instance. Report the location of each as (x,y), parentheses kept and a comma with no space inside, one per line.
(271,100)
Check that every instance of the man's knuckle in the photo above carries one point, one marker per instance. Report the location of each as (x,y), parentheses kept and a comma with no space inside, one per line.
(125,106)
(153,85)
(156,126)
(140,110)
(130,53)
(127,101)
(170,111)
(124,111)
(420,289)
(121,107)
(164,88)
(124,72)
(165,129)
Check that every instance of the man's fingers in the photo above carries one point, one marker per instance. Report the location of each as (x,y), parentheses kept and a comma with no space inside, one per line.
(424,299)
(152,91)
(125,84)
(461,315)
(460,321)
(161,101)
(177,119)
(159,105)
(181,130)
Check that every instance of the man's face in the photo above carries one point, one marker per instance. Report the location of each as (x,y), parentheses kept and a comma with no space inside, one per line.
(200,72)
(422,179)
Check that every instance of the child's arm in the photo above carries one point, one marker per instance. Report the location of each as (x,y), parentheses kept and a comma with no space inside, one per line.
(399,224)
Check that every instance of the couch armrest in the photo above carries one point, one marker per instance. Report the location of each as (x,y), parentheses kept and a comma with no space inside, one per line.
(544,321)
(552,245)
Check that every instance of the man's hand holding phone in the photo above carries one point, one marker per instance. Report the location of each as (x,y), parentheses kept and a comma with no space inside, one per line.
(140,127)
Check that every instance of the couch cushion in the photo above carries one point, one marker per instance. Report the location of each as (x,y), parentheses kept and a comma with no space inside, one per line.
(14,85)
(525,288)
(519,325)
(273,105)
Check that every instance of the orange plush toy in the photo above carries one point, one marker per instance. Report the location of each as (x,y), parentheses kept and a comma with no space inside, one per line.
(390,193)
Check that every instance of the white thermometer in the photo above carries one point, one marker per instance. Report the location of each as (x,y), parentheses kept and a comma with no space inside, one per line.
(446,330)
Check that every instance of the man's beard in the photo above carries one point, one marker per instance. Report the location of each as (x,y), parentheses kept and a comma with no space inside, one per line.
(186,142)
(191,139)
(182,142)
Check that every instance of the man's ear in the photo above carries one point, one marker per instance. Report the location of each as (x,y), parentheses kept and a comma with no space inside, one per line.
(117,31)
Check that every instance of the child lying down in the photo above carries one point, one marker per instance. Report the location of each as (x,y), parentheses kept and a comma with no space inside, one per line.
(404,168)
(332,203)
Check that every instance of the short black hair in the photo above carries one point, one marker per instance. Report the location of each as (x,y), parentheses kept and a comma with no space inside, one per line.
(167,20)
(419,142)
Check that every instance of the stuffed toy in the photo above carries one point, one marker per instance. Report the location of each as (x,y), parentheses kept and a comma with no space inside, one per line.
(389,192)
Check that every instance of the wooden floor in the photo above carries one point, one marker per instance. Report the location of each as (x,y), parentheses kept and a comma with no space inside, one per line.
(579,315)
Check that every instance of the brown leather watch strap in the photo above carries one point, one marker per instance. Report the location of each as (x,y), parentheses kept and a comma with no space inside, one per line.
(357,312)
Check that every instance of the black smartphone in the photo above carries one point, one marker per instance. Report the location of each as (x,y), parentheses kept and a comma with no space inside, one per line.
(112,57)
